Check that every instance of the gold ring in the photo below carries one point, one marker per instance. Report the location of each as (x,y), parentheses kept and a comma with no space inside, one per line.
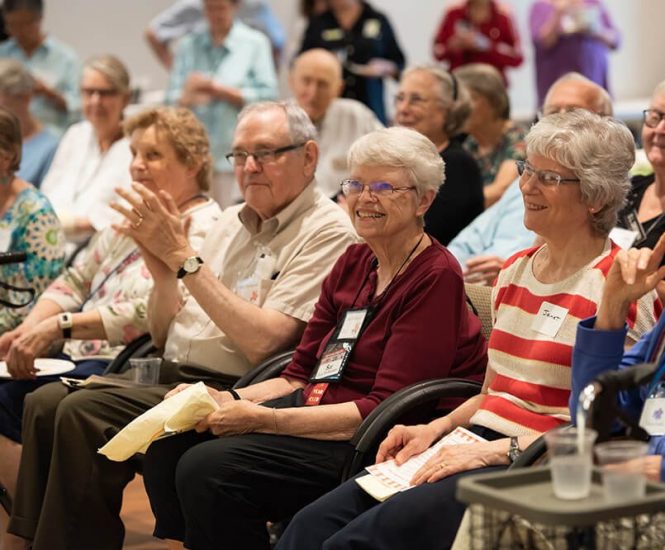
(442,466)
(138,223)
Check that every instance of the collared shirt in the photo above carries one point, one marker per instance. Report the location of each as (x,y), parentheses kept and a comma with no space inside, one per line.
(499,231)
(244,62)
(186,16)
(82,178)
(58,66)
(303,241)
(345,121)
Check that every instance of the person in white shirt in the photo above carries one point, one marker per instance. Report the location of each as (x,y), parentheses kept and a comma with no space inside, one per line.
(316,82)
(93,156)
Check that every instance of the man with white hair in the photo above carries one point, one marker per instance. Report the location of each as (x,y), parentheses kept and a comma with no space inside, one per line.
(250,292)
(316,83)
(483,246)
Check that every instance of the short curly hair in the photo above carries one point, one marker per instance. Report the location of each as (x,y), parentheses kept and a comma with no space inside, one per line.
(11,140)
(185,133)
(600,152)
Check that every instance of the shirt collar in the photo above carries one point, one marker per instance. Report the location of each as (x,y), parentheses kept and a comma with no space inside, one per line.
(253,223)
(232,40)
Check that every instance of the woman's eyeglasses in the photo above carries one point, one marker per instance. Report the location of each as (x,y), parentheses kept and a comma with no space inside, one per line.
(545,177)
(376,188)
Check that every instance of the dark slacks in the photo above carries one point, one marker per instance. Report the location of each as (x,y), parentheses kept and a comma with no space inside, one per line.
(68,496)
(13,392)
(425,517)
(216,493)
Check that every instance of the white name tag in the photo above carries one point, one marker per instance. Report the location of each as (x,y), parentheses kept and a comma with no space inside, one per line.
(353,322)
(624,238)
(653,416)
(549,319)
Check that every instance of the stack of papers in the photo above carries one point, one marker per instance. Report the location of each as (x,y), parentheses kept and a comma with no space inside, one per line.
(173,415)
(386,479)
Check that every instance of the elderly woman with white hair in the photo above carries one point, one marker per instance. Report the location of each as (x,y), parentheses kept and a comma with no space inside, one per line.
(391,312)
(574,181)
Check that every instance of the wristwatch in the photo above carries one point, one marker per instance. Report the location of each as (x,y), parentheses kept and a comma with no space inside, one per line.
(65,324)
(191,265)
(514,450)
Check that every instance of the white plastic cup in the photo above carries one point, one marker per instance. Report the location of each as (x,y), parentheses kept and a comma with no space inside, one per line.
(623,469)
(146,370)
(570,452)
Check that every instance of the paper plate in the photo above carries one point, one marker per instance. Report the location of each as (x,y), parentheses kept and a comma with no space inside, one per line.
(45,366)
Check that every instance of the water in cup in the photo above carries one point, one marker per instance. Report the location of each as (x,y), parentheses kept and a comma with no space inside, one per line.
(623,468)
(571,476)
(623,486)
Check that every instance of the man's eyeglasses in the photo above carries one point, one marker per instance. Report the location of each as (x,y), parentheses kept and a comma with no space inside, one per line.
(376,188)
(652,117)
(261,156)
(545,177)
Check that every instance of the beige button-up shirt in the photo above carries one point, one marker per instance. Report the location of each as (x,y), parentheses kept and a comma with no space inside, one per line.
(295,249)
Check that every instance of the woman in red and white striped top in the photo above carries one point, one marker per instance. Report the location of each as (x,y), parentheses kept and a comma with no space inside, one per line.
(573,182)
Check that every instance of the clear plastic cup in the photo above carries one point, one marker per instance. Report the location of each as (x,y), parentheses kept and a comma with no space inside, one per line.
(146,370)
(570,453)
(623,469)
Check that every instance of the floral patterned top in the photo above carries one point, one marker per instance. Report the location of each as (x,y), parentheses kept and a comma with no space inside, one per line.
(31,226)
(511,147)
(110,276)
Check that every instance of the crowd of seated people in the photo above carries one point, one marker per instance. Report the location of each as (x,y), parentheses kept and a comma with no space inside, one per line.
(367,288)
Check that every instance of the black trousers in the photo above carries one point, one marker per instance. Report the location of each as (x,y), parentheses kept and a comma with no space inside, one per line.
(216,493)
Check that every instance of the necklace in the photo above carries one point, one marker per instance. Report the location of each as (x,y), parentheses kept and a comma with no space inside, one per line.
(408,257)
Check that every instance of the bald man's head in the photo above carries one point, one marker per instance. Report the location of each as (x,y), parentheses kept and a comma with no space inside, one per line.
(315,81)
(574,91)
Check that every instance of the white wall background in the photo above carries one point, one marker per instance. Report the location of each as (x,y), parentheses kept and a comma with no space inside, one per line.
(116,26)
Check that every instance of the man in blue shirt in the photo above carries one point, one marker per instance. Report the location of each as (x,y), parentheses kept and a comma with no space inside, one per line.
(54,65)
(215,72)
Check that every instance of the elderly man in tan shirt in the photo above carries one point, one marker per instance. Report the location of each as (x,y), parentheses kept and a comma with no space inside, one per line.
(249,293)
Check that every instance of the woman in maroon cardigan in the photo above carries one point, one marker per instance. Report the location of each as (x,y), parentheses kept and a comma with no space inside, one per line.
(392,312)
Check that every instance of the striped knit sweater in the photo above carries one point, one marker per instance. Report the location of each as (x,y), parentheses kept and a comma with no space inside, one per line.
(530,390)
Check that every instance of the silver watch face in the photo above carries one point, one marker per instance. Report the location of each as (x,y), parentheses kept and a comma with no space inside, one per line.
(191,264)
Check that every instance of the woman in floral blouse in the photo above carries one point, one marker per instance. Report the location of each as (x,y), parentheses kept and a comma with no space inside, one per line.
(27,224)
(99,304)
(494,140)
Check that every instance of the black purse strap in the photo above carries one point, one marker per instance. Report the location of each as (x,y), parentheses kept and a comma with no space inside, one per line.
(12,288)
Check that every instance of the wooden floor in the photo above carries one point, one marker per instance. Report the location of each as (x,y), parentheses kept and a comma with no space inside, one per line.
(138,519)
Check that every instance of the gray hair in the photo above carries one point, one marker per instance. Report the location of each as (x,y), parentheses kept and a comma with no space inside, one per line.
(486,81)
(603,103)
(459,107)
(301,128)
(659,90)
(113,69)
(400,147)
(600,152)
(15,79)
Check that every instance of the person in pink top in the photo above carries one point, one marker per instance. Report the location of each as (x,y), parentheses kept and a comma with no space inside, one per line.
(573,182)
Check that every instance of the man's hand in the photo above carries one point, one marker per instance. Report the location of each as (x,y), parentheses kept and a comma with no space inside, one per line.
(402,442)
(633,273)
(30,345)
(236,417)
(153,221)
(482,270)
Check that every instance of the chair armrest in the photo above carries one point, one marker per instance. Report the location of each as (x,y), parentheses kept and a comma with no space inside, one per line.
(270,368)
(139,347)
(374,428)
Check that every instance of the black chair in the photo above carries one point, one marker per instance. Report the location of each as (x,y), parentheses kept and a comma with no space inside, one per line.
(139,347)
(270,368)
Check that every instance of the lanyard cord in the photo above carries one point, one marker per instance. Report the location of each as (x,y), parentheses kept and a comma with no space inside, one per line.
(392,279)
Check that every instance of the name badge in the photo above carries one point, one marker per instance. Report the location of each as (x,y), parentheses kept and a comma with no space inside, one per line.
(624,238)
(332,363)
(652,419)
(635,225)
(549,319)
(352,324)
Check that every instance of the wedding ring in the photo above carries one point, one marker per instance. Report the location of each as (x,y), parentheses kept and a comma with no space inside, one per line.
(138,223)
(442,466)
